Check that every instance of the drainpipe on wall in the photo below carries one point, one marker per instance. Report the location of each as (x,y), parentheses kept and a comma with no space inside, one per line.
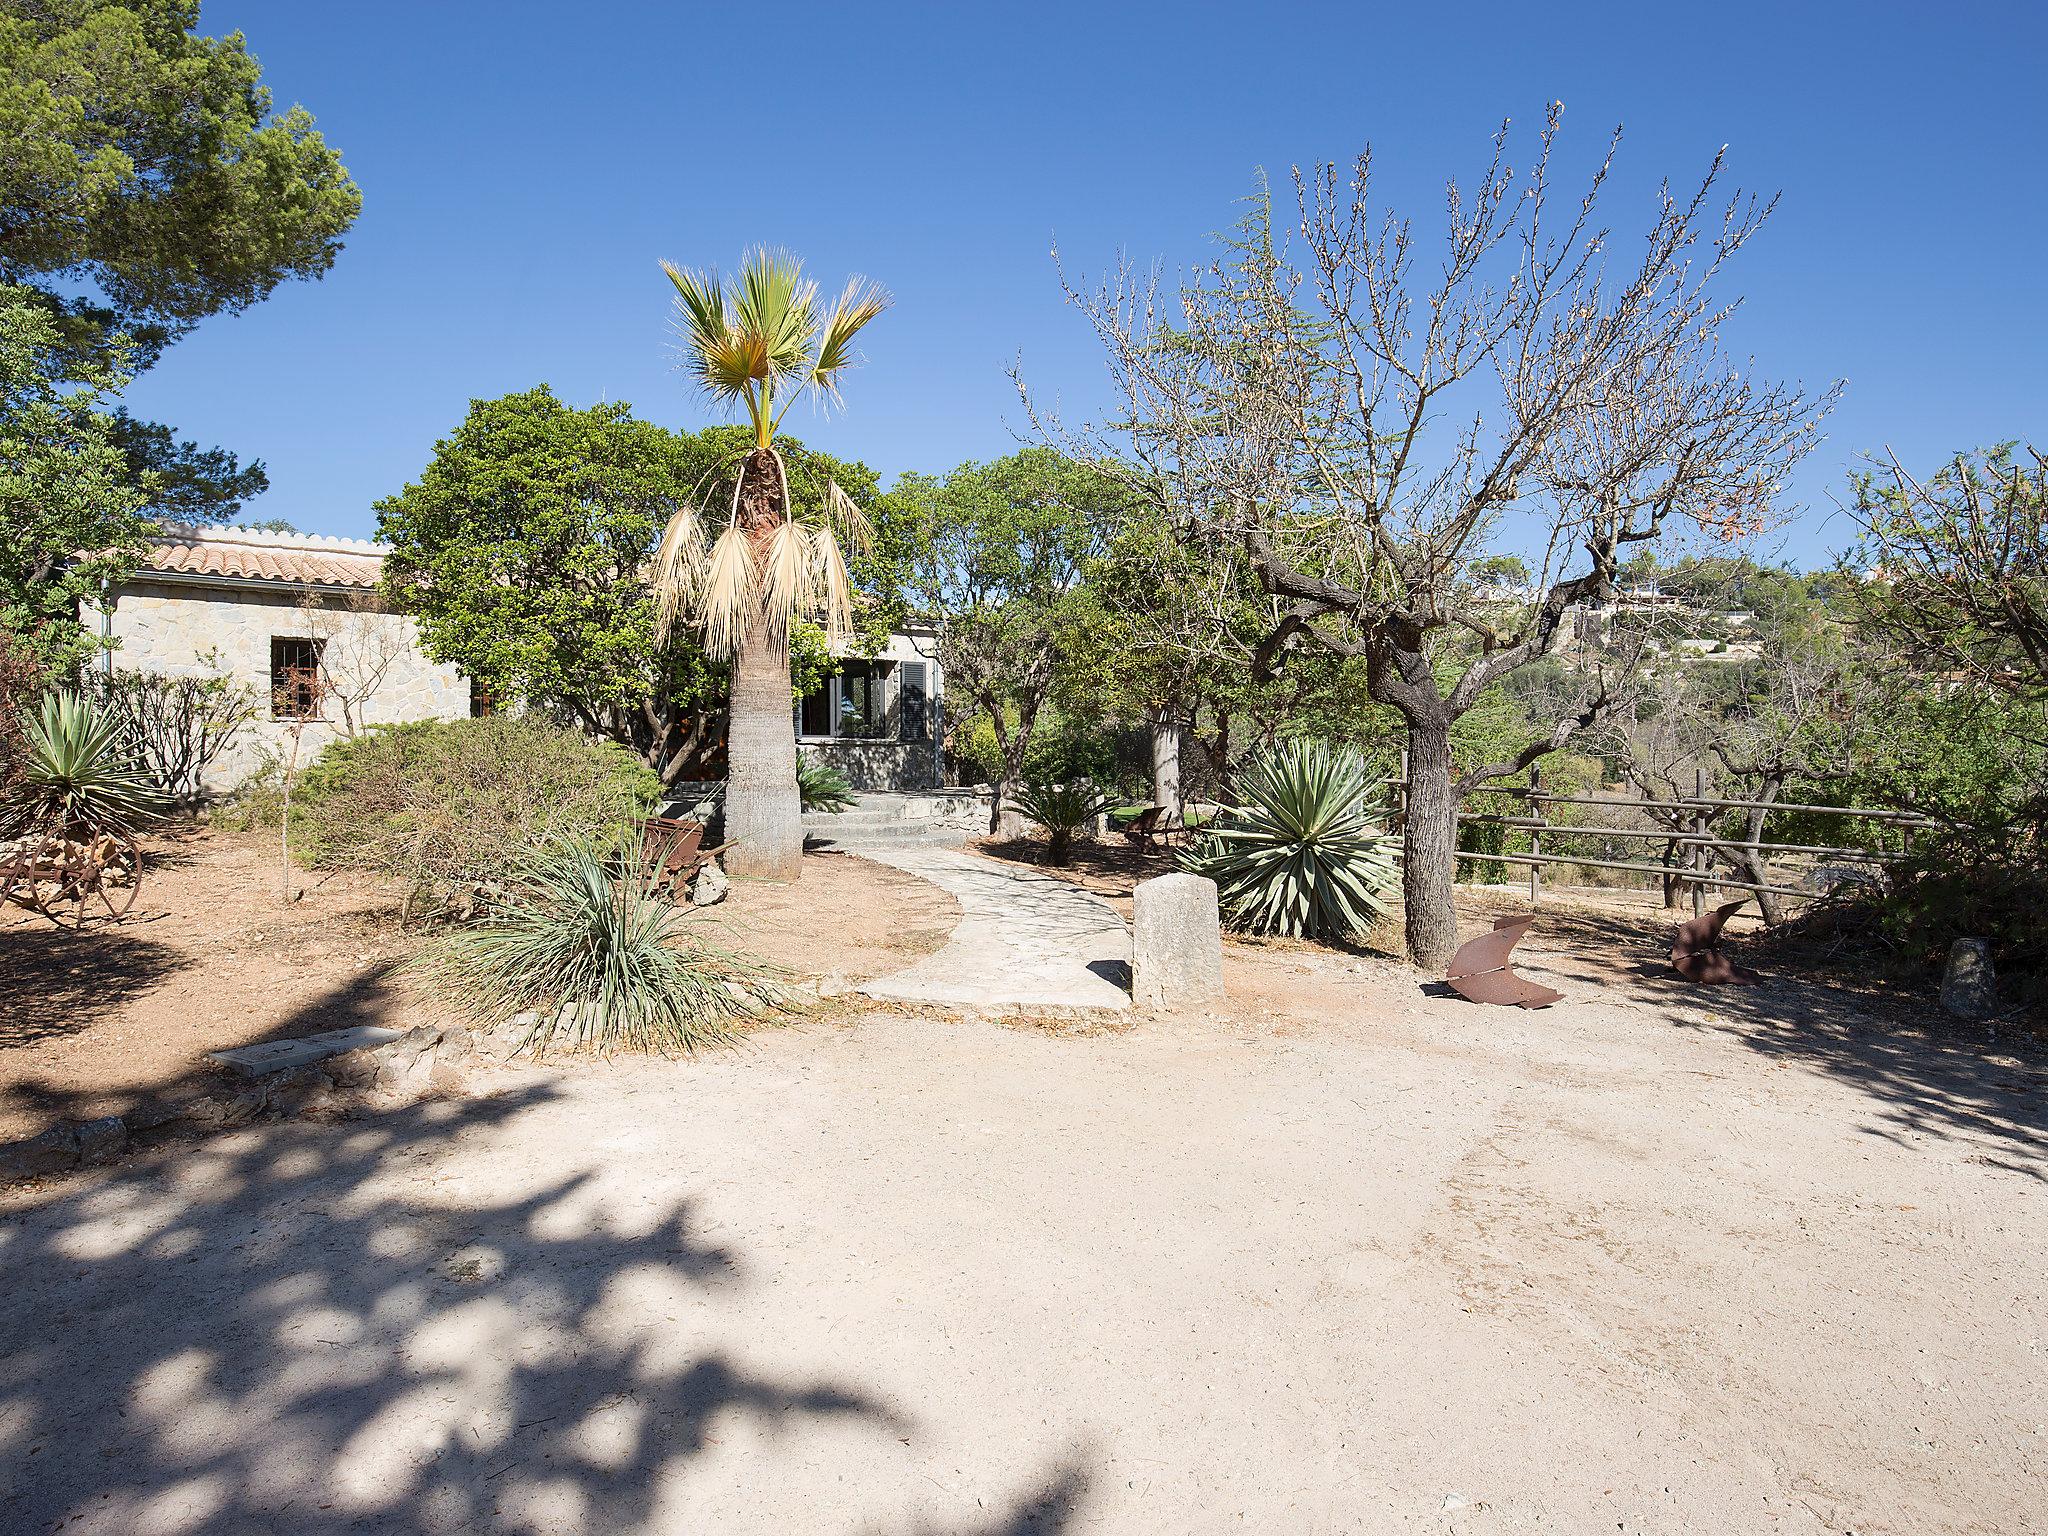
(106,627)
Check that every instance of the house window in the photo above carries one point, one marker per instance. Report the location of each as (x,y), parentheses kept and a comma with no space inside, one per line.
(295,687)
(480,701)
(857,704)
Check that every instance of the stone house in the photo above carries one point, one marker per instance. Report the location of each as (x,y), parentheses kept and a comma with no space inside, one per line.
(271,610)
(877,720)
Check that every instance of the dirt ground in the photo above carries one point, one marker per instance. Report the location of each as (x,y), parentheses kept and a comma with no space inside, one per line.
(211,957)
(1342,1254)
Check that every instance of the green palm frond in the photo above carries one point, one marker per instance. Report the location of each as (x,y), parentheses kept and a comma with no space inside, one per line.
(823,787)
(1308,853)
(774,303)
(860,302)
(81,775)
(761,333)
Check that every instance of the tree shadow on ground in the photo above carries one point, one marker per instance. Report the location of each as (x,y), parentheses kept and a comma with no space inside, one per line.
(56,981)
(62,987)
(1928,1075)
(316,1328)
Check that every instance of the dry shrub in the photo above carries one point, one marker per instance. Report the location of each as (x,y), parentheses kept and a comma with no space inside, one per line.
(452,807)
(21,685)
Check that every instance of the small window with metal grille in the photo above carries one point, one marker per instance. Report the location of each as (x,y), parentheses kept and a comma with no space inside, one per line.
(296,691)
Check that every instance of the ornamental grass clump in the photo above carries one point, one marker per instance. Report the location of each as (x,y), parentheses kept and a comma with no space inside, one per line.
(1307,852)
(595,957)
(1064,810)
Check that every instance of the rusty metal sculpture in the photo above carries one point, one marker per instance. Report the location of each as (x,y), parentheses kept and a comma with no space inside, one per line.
(1696,951)
(1480,969)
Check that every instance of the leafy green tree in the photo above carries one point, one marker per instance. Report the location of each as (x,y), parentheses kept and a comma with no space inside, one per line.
(522,552)
(147,184)
(64,483)
(746,554)
(1000,552)
(525,550)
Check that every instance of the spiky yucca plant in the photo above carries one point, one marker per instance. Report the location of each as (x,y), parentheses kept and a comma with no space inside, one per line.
(1306,852)
(1064,810)
(823,787)
(585,944)
(744,566)
(81,780)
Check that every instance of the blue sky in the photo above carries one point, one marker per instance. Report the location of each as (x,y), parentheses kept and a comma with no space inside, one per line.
(524,166)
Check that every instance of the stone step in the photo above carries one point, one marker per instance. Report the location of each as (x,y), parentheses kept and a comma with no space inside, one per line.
(895,835)
(249,1061)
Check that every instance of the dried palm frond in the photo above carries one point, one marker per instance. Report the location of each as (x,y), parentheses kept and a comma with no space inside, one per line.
(680,567)
(834,605)
(731,593)
(790,575)
(846,518)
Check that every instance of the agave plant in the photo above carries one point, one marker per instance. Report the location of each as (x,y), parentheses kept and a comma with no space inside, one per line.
(1064,810)
(823,787)
(81,781)
(1307,852)
(586,946)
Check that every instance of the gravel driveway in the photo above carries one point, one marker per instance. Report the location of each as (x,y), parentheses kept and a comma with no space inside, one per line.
(1341,1257)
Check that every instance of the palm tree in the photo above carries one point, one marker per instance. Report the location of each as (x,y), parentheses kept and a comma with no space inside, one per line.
(741,571)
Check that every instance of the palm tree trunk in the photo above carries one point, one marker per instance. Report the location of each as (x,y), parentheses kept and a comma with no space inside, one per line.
(763,810)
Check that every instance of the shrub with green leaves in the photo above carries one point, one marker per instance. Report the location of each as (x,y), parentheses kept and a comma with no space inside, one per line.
(823,787)
(1306,851)
(451,806)
(599,958)
(79,779)
(1064,810)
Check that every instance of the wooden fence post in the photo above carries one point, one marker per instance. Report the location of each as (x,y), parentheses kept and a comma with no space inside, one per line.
(1535,835)
(1699,859)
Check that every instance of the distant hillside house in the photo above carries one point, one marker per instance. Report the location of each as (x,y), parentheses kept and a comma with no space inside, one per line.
(272,610)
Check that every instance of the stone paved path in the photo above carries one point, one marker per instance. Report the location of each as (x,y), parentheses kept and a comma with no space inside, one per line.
(1024,940)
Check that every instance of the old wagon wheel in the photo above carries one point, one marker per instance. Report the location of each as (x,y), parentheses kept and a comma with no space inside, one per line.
(117,874)
(39,874)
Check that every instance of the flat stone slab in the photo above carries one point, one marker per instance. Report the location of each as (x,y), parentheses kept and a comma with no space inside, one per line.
(1023,941)
(282,1055)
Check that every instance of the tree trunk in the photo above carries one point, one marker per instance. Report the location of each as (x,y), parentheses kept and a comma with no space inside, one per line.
(763,809)
(1429,842)
(1165,729)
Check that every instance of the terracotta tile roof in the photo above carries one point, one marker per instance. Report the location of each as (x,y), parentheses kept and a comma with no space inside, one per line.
(304,559)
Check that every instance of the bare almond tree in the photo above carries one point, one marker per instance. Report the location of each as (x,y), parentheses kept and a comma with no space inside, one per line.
(359,642)
(1359,426)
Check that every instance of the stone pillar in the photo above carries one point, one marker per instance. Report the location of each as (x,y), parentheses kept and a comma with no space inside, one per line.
(1176,942)
(1969,988)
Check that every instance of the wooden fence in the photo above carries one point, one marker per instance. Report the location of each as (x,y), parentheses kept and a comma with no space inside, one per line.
(1686,825)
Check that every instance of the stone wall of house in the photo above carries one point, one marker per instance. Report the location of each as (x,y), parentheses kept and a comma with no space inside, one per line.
(879,765)
(181,628)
